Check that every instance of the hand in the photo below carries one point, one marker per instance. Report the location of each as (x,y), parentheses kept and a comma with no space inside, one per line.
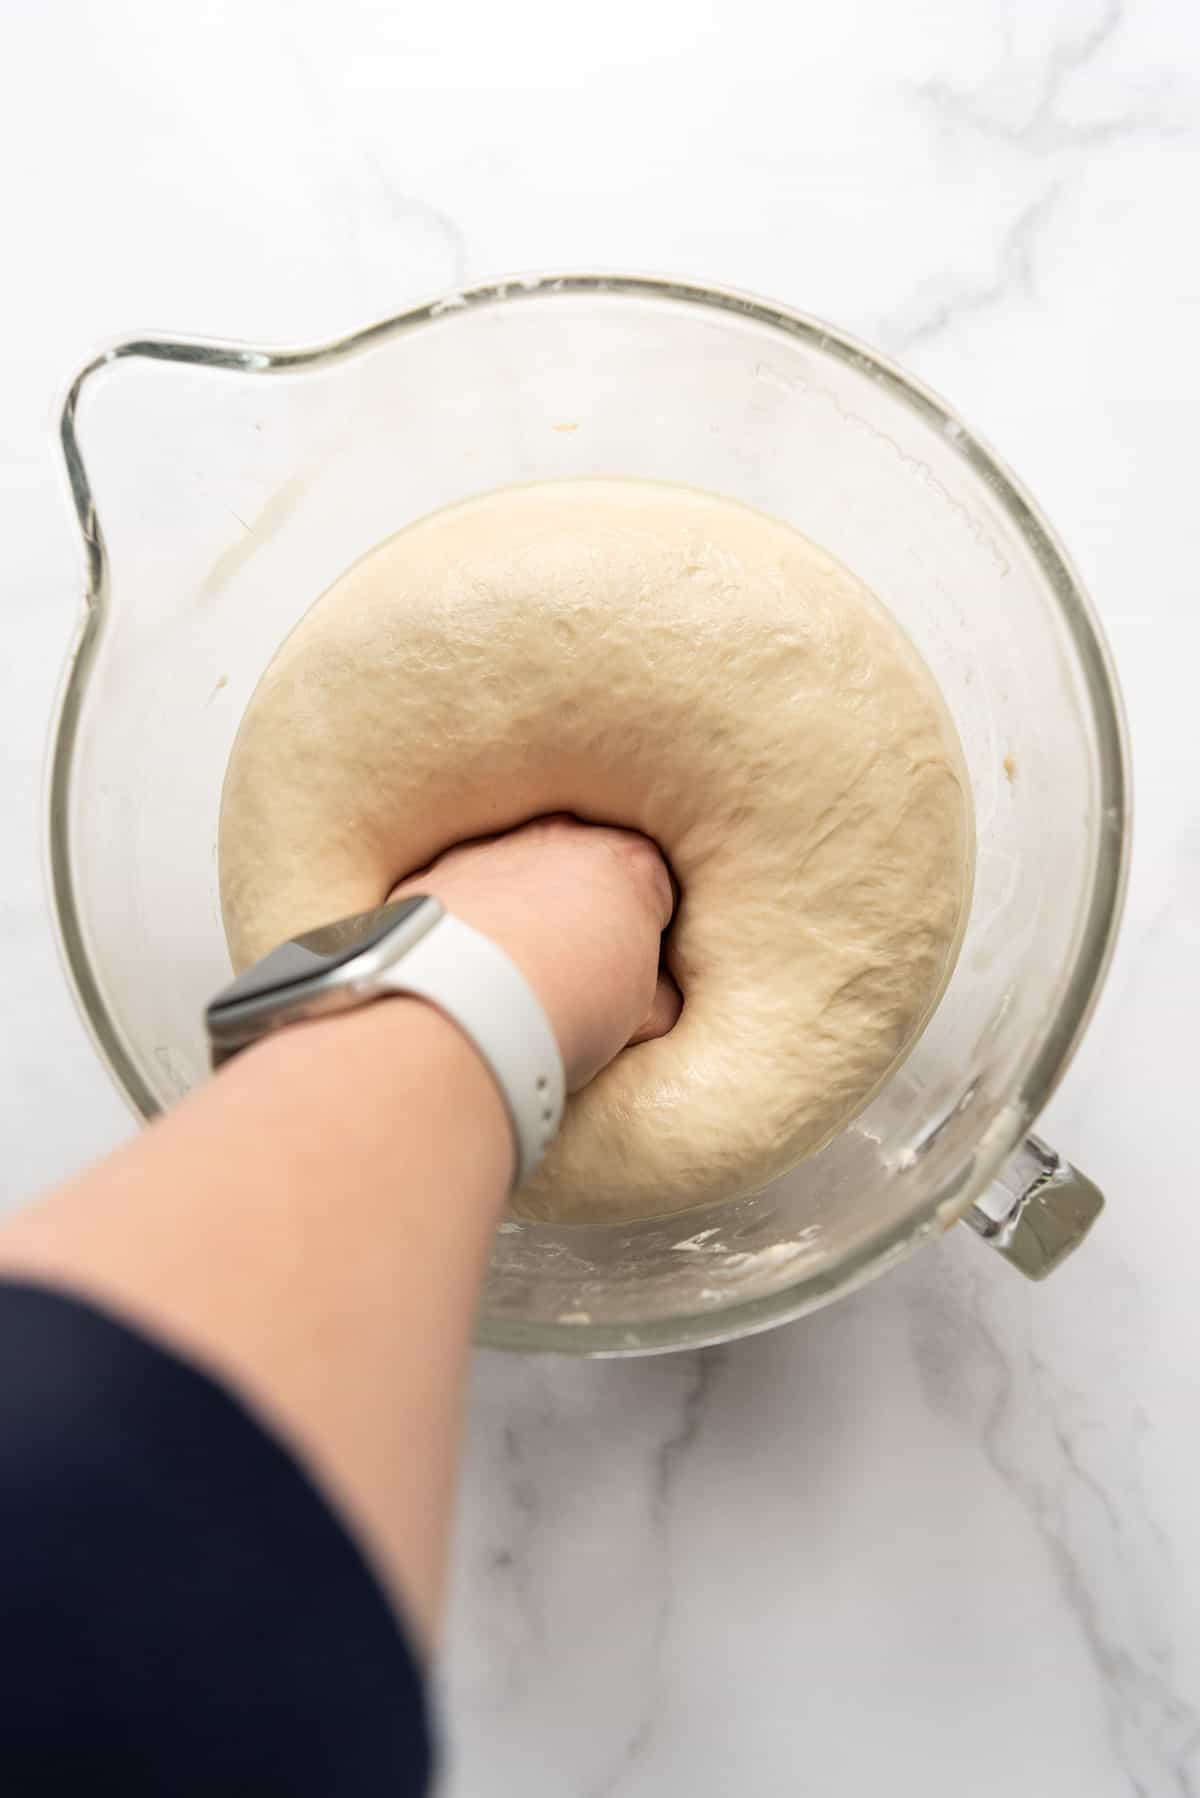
(581,909)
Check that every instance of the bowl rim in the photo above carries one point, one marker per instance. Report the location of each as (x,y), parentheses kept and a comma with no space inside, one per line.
(1050,1055)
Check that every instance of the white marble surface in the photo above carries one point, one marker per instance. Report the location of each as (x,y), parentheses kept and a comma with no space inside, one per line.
(945,1537)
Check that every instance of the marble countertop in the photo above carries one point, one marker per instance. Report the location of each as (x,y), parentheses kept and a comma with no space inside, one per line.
(943,1538)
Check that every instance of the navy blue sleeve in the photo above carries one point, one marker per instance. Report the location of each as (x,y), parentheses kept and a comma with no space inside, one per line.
(181,1611)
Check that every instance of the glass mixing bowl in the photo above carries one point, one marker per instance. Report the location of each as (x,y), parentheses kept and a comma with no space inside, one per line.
(234,484)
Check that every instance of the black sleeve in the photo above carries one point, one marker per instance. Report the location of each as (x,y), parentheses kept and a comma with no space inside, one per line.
(180,1610)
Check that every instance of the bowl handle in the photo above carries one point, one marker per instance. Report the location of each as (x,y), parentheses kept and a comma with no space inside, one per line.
(1037,1210)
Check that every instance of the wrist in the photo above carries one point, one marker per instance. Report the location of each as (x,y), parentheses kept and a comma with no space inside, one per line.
(508,921)
(396,1060)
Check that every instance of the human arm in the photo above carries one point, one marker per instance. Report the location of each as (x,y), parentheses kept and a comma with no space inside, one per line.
(313,1224)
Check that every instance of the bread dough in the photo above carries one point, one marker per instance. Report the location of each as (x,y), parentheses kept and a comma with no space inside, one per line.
(657,657)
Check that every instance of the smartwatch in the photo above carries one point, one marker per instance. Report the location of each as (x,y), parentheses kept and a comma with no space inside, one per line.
(413,946)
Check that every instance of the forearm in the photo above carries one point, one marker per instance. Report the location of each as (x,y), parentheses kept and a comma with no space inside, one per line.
(314,1224)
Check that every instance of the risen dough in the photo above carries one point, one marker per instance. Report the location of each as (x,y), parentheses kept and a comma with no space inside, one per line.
(657,657)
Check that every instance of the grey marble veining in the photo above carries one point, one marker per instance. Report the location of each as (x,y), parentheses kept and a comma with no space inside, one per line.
(1061,1428)
(942,1537)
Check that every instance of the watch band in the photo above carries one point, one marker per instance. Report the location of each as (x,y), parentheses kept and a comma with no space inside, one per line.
(465,975)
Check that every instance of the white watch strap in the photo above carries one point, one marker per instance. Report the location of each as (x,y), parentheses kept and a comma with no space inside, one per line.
(464,974)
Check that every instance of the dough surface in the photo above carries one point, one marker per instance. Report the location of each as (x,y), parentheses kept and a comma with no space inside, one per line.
(657,657)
